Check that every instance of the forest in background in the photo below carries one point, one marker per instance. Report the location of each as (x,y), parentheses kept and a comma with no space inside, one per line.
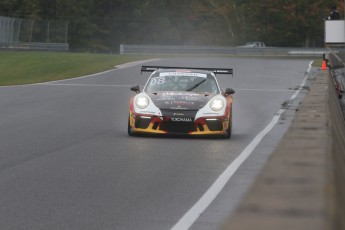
(101,25)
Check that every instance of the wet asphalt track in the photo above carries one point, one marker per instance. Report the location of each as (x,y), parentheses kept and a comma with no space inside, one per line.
(66,161)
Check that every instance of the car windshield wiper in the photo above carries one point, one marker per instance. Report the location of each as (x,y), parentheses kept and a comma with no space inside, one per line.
(196,85)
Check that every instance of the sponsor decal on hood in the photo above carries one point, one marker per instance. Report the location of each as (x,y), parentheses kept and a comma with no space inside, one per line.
(180,100)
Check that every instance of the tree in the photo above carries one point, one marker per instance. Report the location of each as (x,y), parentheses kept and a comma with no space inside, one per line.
(285,22)
(101,25)
(20,8)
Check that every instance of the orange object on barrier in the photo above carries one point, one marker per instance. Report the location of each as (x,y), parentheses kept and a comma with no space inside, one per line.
(324,65)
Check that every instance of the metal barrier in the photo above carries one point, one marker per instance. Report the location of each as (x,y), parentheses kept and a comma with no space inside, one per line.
(19,33)
(36,46)
(337,126)
(222,50)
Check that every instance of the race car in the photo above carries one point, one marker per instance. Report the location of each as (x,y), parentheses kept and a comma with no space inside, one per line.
(181,100)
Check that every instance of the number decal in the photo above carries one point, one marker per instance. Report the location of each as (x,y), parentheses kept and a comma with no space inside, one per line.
(160,80)
(157,81)
(153,81)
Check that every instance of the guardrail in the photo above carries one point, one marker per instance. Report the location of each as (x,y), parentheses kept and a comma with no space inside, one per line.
(39,46)
(337,126)
(223,50)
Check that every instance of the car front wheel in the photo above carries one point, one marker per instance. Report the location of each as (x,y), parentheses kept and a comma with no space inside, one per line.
(129,130)
(229,128)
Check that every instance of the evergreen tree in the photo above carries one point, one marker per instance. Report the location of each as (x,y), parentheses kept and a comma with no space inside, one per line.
(101,25)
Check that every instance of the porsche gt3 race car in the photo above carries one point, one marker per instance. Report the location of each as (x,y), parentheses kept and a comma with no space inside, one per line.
(181,100)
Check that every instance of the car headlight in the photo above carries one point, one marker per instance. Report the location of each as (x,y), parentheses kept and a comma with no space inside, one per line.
(217,104)
(142,102)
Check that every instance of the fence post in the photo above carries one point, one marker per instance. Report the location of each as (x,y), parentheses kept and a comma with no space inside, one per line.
(66,32)
(122,49)
(1,29)
(32,27)
(19,28)
(48,28)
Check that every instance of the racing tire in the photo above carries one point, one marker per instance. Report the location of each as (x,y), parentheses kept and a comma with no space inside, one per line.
(228,132)
(129,130)
(229,128)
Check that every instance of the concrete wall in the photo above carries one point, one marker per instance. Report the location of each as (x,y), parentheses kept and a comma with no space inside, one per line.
(338,159)
(302,186)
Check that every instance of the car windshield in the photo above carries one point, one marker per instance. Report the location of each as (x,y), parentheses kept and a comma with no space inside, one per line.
(182,81)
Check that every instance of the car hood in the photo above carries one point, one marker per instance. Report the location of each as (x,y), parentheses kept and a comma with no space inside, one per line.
(180,100)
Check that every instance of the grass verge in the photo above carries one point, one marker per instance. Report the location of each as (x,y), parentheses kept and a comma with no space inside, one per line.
(22,67)
(18,68)
(317,62)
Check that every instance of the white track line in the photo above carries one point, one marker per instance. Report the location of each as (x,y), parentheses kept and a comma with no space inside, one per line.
(199,207)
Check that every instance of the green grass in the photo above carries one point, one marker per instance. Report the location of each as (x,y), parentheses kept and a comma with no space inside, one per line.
(317,62)
(17,68)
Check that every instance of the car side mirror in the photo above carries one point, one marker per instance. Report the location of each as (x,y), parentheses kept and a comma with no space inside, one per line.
(135,88)
(229,91)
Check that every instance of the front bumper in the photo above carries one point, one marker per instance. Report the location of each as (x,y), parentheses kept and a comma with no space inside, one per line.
(166,125)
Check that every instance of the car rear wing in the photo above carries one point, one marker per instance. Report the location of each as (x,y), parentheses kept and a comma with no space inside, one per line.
(214,70)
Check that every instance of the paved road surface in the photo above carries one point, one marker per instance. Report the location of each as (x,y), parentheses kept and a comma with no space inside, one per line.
(66,161)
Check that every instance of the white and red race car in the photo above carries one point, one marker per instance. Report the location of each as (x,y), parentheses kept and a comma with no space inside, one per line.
(181,100)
